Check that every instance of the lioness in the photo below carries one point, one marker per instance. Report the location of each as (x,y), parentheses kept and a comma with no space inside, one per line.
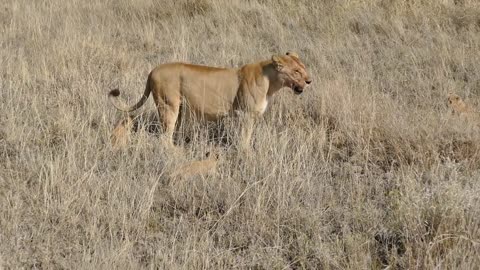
(214,92)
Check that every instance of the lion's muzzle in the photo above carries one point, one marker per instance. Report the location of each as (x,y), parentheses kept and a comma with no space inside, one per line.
(297,89)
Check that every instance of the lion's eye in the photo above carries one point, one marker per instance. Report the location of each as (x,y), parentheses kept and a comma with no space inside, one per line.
(297,72)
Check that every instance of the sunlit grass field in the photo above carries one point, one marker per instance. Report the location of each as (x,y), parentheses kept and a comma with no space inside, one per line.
(365,170)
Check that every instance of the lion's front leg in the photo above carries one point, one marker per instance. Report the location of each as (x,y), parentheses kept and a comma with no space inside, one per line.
(246,122)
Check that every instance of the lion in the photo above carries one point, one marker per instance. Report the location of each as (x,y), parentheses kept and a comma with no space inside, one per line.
(199,167)
(213,93)
(458,106)
(121,133)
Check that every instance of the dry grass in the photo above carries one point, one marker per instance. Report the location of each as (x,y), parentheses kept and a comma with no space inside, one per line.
(366,170)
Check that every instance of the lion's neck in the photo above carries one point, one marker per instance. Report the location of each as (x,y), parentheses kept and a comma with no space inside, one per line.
(271,74)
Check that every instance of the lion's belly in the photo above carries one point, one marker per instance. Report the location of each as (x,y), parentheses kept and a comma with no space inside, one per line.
(208,108)
(210,95)
(199,114)
(211,104)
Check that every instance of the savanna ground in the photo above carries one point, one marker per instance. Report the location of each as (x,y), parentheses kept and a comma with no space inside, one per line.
(365,170)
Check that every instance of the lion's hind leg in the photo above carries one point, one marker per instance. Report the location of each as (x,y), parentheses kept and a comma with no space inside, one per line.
(168,113)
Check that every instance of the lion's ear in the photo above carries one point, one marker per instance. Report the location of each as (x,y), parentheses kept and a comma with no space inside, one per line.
(294,54)
(277,62)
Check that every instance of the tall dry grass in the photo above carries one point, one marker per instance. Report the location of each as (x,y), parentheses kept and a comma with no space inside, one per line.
(364,171)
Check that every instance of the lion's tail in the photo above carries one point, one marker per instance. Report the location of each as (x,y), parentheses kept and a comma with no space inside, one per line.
(120,105)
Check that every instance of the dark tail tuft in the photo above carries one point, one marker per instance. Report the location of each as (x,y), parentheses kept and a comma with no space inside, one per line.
(115,92)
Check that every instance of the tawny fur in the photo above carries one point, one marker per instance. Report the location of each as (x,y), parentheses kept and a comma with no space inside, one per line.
(121,133)
(212,93)
(199,167)
(458,106)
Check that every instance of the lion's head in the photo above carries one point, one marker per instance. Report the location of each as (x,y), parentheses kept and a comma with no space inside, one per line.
(457,105)
(453,99)
(291,72)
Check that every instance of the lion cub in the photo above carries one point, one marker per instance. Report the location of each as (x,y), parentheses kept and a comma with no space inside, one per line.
(458,106)
(121,133)
(199,167)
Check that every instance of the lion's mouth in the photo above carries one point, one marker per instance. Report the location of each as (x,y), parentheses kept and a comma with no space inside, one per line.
(297,89)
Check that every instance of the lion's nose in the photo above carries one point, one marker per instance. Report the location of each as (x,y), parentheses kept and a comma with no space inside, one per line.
(309,81)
